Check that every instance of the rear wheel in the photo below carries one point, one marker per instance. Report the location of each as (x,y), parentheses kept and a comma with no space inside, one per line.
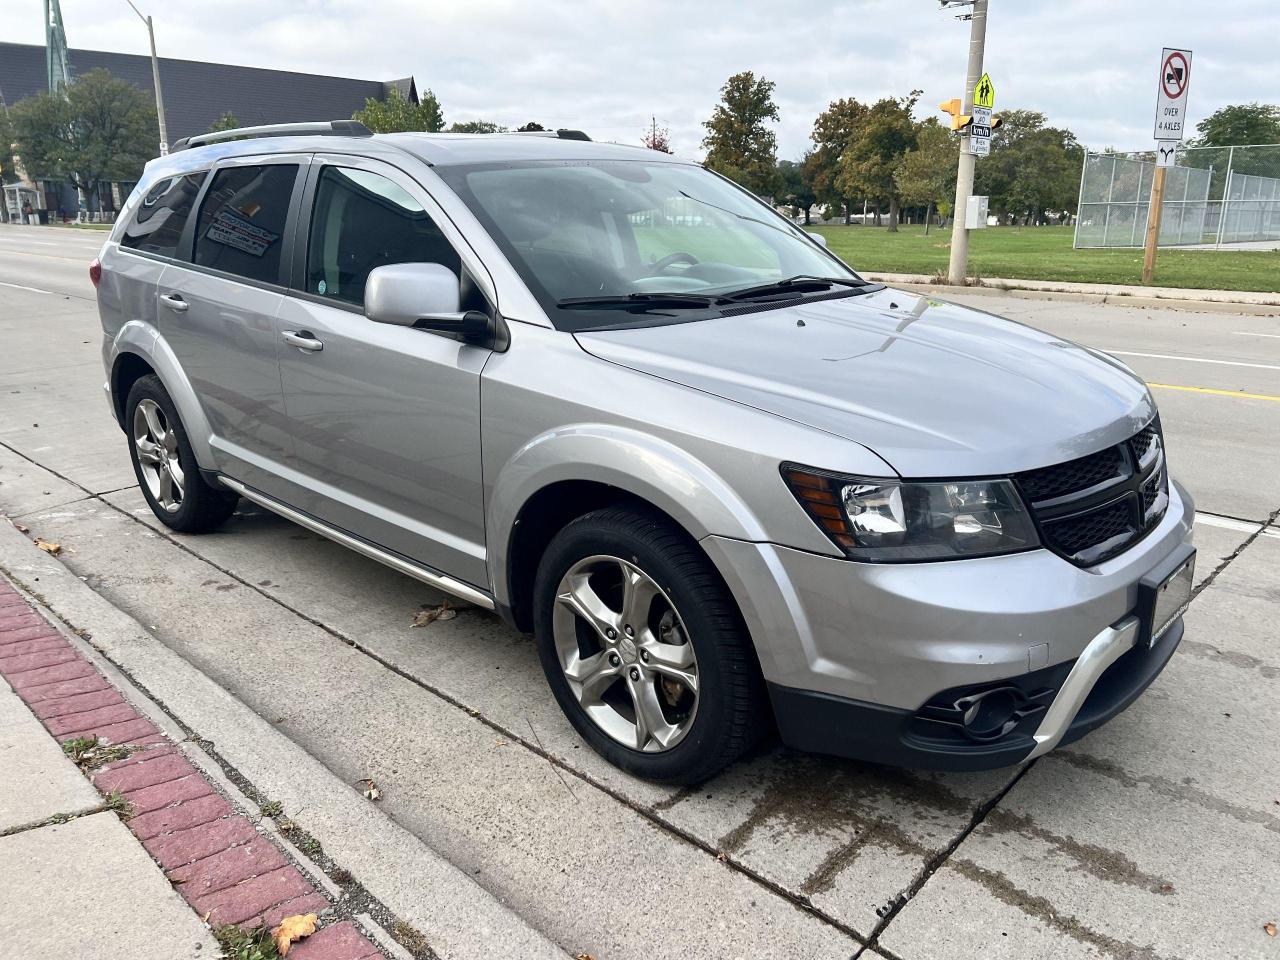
(644,648)
(165,464)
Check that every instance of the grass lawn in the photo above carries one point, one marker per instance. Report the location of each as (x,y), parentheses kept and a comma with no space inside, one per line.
(1044,253)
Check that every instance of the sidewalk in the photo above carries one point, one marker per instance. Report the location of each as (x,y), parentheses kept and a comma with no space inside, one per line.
(133,853)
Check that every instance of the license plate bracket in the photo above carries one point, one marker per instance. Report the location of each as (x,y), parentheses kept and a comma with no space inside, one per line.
(1164,594)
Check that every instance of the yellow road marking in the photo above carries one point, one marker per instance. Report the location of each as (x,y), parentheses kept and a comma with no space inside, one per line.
(1219,393)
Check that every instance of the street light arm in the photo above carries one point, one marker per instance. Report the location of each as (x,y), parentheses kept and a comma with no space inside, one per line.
(137,11)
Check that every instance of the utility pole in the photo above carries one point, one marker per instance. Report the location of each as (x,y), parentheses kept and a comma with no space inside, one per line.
(155,79)
(959,266)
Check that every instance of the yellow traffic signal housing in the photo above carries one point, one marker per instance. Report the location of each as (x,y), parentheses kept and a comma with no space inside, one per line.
(958,120)
(997,123)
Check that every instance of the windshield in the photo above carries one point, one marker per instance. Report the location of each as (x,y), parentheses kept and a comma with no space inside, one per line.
(605,243)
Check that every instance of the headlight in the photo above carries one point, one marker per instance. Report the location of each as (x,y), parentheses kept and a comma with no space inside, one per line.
(891,520)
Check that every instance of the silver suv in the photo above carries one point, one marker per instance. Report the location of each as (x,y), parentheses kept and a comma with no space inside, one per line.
(728,484)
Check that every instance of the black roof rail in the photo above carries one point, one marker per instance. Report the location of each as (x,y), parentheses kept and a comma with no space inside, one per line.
(317,128)
(561,134)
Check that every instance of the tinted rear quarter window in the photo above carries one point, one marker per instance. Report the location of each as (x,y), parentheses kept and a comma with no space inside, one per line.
(242,220)
(157,224)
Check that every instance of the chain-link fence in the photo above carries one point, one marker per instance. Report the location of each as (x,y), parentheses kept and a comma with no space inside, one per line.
(1214,196)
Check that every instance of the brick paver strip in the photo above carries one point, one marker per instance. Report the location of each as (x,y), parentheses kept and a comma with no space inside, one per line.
(123,732)
(75,703)
(341,941)
(247,900)
(180,847)
(90,719)
(66,688)
(143,770)
(31,679)
(217,858)
(225,869)
(26,647)
(193,813)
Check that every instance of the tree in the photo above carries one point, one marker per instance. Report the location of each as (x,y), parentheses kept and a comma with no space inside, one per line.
(657,138)
(6,150)
(396,114)
(796,191)
(1241,123)
(531,127)
(833,131)
(104,128)
(476,126)
(1033,169)
(738,143)
(877,148)
(927,174)
(227,121)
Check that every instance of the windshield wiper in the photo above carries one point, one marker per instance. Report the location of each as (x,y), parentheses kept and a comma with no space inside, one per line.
(797,284)
(639,302)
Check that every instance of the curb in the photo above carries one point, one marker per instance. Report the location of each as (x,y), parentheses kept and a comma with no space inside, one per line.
(1105,295)
(214,855)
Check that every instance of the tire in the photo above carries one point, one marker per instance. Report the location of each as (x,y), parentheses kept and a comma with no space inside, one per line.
(691,607)
(165,465)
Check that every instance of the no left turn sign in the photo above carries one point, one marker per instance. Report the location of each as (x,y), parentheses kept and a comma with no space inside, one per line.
(1171,95)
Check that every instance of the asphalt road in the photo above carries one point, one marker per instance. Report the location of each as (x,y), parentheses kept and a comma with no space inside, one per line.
(1157,836)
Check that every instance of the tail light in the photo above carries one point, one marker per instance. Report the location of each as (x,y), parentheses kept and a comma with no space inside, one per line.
(95,271)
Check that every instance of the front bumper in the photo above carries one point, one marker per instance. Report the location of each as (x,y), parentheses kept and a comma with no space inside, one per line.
(854,652)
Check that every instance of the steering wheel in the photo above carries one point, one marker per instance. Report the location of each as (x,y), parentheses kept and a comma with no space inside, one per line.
(671,259)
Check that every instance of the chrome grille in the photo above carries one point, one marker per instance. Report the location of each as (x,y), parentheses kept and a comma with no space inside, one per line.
(1095,507)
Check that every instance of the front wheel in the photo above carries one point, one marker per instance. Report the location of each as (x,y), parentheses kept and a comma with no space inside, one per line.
(644,648)
(166,466)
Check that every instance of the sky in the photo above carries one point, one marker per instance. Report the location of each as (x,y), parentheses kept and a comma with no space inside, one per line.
(608,66)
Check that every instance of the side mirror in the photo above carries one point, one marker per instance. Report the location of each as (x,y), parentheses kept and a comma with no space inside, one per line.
(818,238)
(423,295)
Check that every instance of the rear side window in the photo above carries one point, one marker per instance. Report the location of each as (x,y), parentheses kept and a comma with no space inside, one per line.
(157,223)
(363,220)
(241,226)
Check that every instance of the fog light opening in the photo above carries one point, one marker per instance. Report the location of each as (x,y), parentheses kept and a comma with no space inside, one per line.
(991,715)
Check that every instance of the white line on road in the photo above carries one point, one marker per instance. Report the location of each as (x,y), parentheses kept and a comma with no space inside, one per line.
(18,286)
(1227,523)
(1171,356)
(1248,333)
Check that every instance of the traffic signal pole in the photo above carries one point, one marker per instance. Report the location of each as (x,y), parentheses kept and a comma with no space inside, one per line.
(958,269)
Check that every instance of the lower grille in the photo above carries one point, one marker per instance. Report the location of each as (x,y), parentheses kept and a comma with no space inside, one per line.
(1093,508)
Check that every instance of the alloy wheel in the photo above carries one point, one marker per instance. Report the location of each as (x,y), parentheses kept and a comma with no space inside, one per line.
(156,446)
(626,653)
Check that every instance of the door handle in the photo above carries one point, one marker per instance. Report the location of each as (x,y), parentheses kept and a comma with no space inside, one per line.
(303,340)
(174,302)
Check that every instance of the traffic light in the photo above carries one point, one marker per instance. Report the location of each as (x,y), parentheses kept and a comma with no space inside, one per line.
(997,123)
(958,120)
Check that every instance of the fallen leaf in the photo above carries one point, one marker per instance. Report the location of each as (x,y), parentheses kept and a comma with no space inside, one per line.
(47,547)
(1270,927)
(584,956)
(371,791)
(21,529)
(428,615)
(291,929)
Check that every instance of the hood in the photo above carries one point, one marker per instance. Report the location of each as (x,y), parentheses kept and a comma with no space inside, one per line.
(933,388)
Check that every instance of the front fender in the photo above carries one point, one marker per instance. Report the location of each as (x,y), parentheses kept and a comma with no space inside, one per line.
(144,341)
(645,466)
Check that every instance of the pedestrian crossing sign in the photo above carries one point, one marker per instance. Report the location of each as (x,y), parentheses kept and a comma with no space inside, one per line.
(984,94)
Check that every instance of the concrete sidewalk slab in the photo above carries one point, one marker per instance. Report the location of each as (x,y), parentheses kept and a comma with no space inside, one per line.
(39,781)
(88,891)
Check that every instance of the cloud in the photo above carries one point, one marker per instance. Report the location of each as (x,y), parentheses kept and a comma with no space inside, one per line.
(607,66)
